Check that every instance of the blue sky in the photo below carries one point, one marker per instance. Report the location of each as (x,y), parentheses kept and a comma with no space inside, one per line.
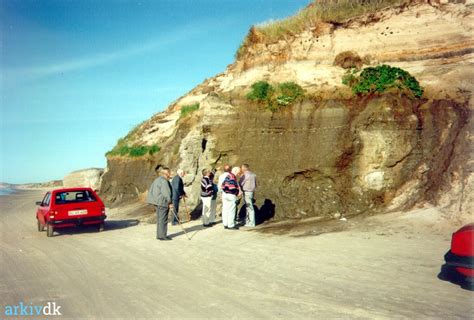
(77,75)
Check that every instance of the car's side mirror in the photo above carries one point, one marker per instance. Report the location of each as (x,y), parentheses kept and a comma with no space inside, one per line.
(38,203)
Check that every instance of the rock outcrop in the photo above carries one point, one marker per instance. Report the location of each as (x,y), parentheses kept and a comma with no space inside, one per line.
(333,153)
(84,178)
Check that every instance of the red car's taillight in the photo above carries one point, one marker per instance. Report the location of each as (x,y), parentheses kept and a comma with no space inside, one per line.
(103,211)
(52,213)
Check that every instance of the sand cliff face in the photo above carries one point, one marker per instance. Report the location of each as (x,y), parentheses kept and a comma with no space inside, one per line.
(333,153)
(84,178)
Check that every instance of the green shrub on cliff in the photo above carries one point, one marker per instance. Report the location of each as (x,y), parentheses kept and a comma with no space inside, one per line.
(288,92)
(186,110)
(275,96)
(123,150)
(381,78)
(261,91)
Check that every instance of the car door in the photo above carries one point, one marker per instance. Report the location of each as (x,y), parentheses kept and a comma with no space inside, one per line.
(44,208)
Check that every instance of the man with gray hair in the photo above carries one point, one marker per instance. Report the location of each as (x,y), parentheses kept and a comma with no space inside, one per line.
(160,194)
(178,193)
(248,183)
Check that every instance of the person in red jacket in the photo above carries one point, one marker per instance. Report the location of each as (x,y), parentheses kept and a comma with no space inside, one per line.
(230,193)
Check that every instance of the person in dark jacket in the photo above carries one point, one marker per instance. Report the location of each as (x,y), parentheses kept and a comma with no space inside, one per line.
(207,191)
(215,190)
(178,193)
(160,195)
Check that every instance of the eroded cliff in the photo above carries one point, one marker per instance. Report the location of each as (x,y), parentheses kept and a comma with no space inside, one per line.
(333,153)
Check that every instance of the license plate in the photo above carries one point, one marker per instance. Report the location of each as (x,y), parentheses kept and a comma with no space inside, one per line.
(76,212)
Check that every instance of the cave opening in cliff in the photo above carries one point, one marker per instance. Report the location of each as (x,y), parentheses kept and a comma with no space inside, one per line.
(203,144)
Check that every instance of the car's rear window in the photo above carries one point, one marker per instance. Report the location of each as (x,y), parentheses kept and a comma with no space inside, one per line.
(74,197)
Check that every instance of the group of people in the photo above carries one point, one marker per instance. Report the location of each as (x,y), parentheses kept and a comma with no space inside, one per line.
(233,184)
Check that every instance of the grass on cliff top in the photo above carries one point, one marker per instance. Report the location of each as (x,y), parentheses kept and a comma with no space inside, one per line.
(336,11)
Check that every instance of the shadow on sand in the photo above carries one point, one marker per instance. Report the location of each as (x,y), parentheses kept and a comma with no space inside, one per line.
(262,214)
(449,273)
(110,225)
(192,231)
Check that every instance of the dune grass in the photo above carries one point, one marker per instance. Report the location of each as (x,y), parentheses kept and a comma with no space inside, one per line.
(335,11)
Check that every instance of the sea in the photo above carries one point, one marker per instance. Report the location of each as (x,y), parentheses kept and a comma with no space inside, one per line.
(6,191)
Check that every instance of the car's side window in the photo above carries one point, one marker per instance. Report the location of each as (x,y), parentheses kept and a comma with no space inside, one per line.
(46,200)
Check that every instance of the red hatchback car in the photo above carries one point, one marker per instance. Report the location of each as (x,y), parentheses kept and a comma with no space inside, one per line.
(68,208)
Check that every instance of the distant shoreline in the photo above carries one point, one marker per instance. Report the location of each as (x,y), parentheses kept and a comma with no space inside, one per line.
(17,189)
(7,191)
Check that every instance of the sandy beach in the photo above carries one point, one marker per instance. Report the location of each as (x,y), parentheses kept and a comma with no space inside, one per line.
(365,268)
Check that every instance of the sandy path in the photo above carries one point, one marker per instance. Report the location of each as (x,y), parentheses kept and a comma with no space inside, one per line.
(361,272)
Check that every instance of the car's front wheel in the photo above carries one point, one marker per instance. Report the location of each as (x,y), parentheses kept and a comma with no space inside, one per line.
(40,226)
(49,230)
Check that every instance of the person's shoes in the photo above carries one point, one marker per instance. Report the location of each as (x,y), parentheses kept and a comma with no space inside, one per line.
(206,225)
(233,228)
(164,239)
(249,226)
(174,223)
(226,227)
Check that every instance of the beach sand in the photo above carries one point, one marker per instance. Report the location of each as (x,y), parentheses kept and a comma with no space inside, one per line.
(374,267)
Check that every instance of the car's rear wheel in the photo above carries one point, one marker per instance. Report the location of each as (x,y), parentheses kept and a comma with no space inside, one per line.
(40,226)
(101,227)
(49,230)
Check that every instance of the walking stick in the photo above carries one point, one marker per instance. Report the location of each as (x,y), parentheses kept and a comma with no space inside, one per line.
(187,211)
(179,222)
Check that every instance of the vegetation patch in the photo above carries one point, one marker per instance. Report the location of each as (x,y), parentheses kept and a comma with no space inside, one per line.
(260,91)
(275,96)
(124,150)
(381,78)
(318,11)
(187,110)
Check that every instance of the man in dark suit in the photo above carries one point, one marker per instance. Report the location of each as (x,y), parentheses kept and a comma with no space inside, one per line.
(178,192)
